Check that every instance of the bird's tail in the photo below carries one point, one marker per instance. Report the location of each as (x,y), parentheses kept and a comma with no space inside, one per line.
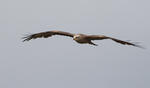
(92,43)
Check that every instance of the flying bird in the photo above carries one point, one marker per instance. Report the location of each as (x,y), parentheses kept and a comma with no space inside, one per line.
(79,38)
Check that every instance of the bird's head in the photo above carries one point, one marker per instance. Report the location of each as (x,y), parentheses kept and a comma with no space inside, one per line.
(76,37)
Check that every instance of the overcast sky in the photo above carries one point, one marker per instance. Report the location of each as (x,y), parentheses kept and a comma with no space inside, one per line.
(59,62)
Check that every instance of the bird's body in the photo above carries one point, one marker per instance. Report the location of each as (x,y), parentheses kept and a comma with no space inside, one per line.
(79,38)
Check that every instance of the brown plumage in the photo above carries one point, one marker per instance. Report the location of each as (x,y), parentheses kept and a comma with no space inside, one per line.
(80,38)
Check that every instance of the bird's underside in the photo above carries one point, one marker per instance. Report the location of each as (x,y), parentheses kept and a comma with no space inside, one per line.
(80,38)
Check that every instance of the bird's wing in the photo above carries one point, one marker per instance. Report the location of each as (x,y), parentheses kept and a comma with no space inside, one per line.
(101,37)
(46,35)
(96,37)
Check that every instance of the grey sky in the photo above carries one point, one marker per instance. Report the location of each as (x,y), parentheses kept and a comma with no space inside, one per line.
(59,62)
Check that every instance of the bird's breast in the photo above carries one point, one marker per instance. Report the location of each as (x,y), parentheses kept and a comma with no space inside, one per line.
(80,40)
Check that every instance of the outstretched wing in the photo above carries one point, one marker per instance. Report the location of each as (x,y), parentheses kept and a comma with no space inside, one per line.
(46,35)
(101,37)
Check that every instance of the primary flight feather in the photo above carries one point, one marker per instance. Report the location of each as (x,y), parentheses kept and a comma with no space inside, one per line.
(80,38)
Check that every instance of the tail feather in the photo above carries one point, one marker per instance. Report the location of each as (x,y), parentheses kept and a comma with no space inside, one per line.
(93,43)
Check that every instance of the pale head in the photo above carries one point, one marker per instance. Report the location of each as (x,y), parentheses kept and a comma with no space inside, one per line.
(76,36)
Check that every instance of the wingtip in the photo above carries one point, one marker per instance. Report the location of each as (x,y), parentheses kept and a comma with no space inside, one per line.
(136,44)
(26,38)
(139,46)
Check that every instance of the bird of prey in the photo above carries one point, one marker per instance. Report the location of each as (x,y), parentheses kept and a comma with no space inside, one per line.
(79,38)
